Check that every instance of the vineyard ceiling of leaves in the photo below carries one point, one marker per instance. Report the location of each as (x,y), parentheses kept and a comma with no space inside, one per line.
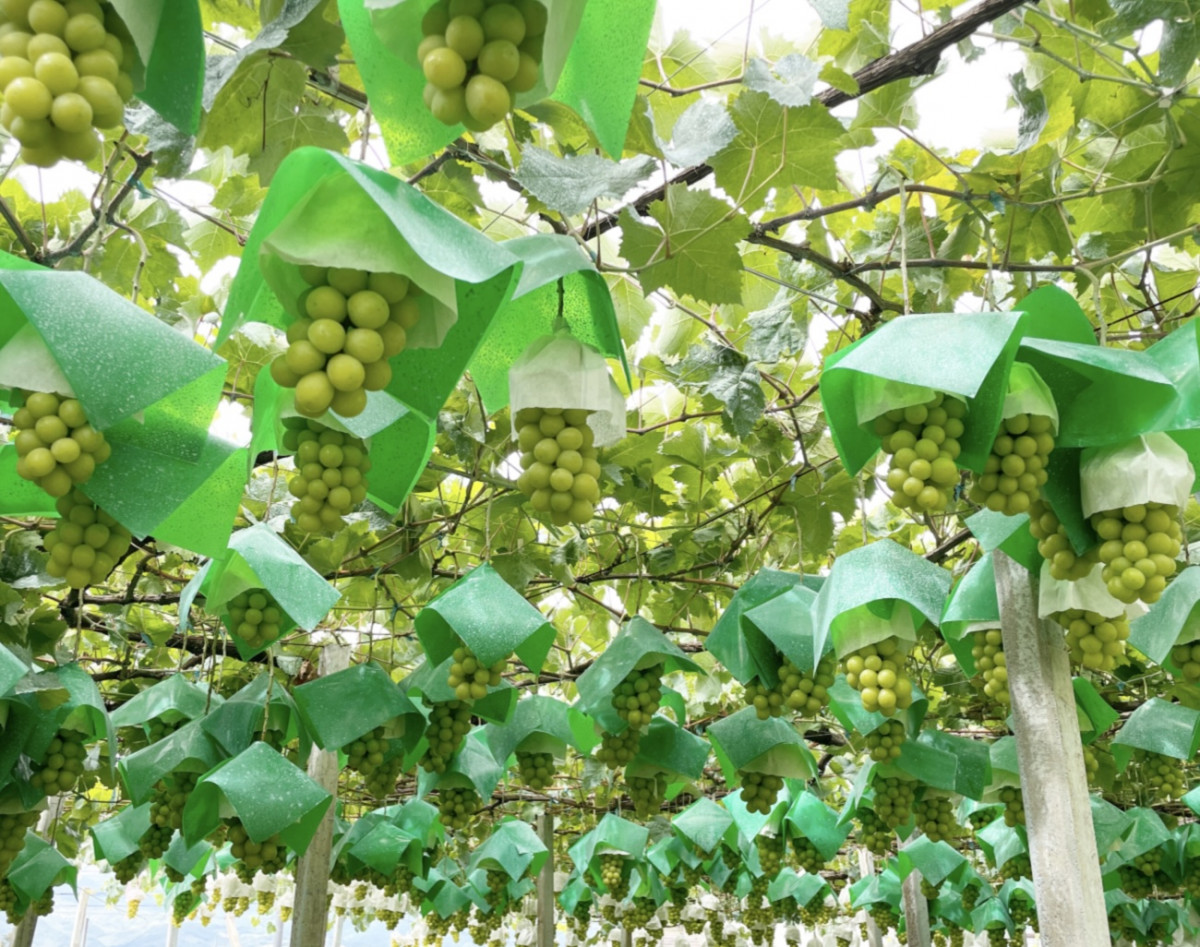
(545,414)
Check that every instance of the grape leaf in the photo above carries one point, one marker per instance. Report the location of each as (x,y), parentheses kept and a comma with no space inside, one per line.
(834,14)
(1034,113)
(774,332)
(695,251)
(699,133)
(794,87)
(569,184)
(727,375)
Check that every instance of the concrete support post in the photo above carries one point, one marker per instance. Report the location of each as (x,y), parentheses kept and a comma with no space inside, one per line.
(1062,845)
(546,920)
(311,911)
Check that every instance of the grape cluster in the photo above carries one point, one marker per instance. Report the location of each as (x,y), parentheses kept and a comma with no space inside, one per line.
(477,56)
(1091,763)
(771,850)
(935,817)
(760,791)
(807,855)
(1014,806)
(166,810)
(1054,546)
(560,472)
(65,72)
(1160,776)
(997,936)
(86,542)
(469,678)
(330,475)
(56,446)
(449,723)
(639,913)
(876,671)
(1134,883)
(155,841)
(353,322)
(62,765)
(536,769)
(1015,469)
(1138,546)
(923,442)
(1019,866)
(12,836)
(1095,642)
(368,755)
(987,648)
(129,867)
(618,749)
(264,899)
(614,874)
(1148,863)
(457,806)
(803,693)
(893,800)
(884,743)
(1186,657)
(647,793)
(268,856)
(255,617)
(883,916)
(638,696)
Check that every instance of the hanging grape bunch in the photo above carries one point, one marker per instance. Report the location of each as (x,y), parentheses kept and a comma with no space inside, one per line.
(12,835)
(449,723)
(353,322)
(1160,777)
(635,700)
(1148,863)
(884,744)
(1138,546)
(613,874)
(268,856)
(561,475)
(86,542)
(760,791)
(255,617)
(923,442)
(56,446)
(647,793)
(330,475)
(1095,641)
(987,648)
(167,802)
(1019,866)
(457,806)
(876,671)
(64,73)
(536,769)
(807,855)
(1054,546)
(469,678)
(804,693)
(62,764)
(935,817)
(477,56)
(894,800)
(1186,657)
(1015,469)
(368,755)
(1014,806)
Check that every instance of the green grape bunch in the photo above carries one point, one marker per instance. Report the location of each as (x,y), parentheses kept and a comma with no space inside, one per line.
(470,678)
(877,672)
(619,749)
(808,856)
(255,617)
(638,696)
(1014,806)
(449,723)
(368,756)
(760,791)
(614,874)
(353,322)
(987,648)
(477,56)
(65,72)
(1015,470)
(894,800)
(885,743)
(536,769)
(62,764)
(935,817)
(1160,777)
(771,849)
(1055,547)
(647,793)
(86,542)
(1095,641)
(560,470)
(923,441)
(268,856)
(797,691)
(56,446)
(1138,547)
(457,806)
(1186,657)
(12,835)
(329,479)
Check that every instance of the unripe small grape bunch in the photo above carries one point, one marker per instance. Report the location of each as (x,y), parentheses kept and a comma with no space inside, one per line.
(268,856)
(86,542)
(638,696)
(255,617)
(470,678)
(1161,777)
(64,72)
(935,817)
(12,835)
(1138,546)
(561,475)
(808,856)
(1015,470)
(1095,641)
(894,800)
(457,806)
(987,648)
(1053,545)
(771,850)
(330,475)
(885,743)
(1186,657)
(876,671)
(797,690)
(449,723)
(618,749)
(760,791)
(536,769)
(477,55)
(613,874)
(873,833)
(923,440)
(56,446)
(353,322)
(62,765)
(1014,805)
(647,793)
(368,755)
